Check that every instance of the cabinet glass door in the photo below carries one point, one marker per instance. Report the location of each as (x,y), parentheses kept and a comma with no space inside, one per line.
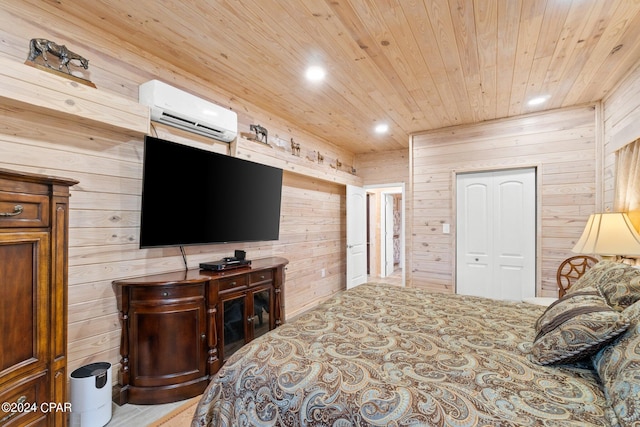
(261,312)
(233,324)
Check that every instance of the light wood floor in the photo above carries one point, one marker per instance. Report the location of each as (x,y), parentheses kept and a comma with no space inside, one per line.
(139,415)
(394,278)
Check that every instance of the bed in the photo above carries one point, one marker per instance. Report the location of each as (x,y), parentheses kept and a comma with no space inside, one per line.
(381,355)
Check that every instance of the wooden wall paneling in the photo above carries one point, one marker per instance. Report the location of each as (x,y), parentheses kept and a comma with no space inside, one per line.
(106,346)
(113,62)
(559,142)
(383,167)
(305,163)
(621,113)
(61,97)
(312,220)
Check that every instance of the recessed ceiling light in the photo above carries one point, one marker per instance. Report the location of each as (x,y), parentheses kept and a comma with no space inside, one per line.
(315,73)
(538,100)
(382,128)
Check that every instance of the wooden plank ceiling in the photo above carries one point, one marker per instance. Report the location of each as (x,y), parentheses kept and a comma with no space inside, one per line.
(416,65)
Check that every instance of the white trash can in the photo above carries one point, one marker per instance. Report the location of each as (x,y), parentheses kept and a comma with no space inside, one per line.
(91,395)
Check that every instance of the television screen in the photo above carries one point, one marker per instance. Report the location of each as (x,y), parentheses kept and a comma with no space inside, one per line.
(192,196)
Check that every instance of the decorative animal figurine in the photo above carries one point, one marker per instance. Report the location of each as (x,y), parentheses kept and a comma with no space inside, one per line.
(261,133)
(315,156)
(40,47)
(295,148)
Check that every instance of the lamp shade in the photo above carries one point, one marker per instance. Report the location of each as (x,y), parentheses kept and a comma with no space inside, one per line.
(609,234)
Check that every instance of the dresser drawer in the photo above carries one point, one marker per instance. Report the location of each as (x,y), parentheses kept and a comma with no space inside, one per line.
(23,210)
(232,283)
(23,401)
(147,293)
(261,276)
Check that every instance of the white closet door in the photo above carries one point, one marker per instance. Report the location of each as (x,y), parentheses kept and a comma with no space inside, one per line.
(474,275)
(496,234)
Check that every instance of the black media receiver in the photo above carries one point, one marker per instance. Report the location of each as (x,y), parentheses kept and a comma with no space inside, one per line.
(225,265)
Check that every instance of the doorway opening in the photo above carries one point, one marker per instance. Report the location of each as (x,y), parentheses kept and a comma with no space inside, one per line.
(385,233)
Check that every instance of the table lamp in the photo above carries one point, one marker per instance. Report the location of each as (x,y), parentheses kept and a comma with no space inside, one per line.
(609,234)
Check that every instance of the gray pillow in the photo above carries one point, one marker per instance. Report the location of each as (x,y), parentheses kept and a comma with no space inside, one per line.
(575,327)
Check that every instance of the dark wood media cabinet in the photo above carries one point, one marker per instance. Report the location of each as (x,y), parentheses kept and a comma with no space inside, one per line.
(178,328)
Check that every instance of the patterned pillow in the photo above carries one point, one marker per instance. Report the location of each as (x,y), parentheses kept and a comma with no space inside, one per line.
(574,327)
(618,366)
(620,285)
(591,277)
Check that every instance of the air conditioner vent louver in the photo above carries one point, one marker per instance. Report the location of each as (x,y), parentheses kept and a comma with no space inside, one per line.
(183,110)
(190,125)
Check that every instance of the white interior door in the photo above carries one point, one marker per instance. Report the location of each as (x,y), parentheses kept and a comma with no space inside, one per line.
(496,234)
(356,236)
(474,228)
(387,234)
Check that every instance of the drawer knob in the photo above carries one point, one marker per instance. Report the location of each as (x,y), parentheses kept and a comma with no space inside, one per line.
(17,210)
(262,277)
(233,283)
(165,294)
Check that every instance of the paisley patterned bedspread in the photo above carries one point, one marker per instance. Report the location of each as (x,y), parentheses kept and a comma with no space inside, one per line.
(380,355)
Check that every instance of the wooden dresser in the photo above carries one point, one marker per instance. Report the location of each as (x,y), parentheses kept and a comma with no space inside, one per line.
(34,217)
(179,327)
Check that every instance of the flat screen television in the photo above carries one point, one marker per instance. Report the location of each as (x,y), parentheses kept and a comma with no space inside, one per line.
(192,196)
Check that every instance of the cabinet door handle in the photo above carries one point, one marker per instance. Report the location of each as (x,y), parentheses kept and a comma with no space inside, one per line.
(203,337)
(17,210)
(251,319)
(12,414)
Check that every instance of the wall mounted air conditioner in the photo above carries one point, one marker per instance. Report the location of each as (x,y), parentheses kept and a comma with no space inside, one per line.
(180,109)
